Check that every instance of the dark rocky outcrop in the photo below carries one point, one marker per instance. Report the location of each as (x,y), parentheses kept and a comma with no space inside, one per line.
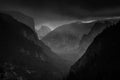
(23,56)
(101,61)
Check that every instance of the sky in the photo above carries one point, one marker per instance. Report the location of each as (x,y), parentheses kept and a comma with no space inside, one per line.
(58,12)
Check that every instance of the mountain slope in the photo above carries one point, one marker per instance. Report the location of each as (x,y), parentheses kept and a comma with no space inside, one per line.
(101,60)
(25,57)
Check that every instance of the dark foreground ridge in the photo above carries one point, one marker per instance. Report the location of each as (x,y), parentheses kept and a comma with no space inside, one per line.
(22,55)
(102,58)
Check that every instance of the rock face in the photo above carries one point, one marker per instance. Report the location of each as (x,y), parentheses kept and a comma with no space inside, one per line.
(43,31)
(101,60)
(23,56)
(88,38)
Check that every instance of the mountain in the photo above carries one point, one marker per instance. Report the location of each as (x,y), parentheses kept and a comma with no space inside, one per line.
(88,38)
(65,39)
(43,31)
(97,28)
(21,17)
(101,60)
(23,56)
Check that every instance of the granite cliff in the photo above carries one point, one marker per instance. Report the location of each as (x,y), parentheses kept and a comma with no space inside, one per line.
(101,60)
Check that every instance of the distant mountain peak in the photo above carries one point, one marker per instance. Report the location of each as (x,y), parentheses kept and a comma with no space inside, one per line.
(43,31)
